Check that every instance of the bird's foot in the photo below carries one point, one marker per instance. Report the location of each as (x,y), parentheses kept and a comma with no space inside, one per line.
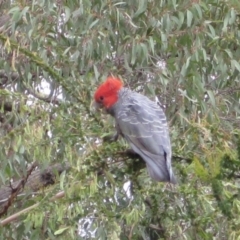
(130,153)
(110,137)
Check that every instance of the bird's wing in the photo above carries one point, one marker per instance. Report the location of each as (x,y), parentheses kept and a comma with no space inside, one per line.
(143,124)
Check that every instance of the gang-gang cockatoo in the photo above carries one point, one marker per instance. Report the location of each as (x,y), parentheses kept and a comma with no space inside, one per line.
(142,123)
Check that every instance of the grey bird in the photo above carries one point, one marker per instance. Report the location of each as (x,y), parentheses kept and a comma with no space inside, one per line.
(142,123)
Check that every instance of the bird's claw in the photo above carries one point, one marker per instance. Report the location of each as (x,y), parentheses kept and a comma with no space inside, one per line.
(130,153)
(110,138)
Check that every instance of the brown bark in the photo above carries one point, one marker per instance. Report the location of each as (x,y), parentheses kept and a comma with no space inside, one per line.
(36,180)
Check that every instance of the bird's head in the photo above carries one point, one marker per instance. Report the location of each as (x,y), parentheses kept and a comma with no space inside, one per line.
(107,93)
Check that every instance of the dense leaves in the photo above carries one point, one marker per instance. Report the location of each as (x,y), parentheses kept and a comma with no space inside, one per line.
(53,56)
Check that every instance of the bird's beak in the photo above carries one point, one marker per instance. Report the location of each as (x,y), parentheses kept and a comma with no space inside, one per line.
(95,106)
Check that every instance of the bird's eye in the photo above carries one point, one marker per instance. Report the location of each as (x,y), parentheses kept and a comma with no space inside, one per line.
(101,98)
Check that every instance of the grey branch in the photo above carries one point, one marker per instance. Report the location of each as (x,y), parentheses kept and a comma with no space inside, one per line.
(3,20)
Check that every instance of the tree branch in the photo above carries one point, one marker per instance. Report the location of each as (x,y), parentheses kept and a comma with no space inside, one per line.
(36,180)
(15,190)
(46,98)
(3,20)
(18,214)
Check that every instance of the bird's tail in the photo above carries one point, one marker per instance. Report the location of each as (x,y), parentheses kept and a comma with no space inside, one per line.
(159,166)
(160,169)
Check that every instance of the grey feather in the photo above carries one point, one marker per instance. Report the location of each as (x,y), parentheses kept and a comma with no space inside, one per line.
(143,124)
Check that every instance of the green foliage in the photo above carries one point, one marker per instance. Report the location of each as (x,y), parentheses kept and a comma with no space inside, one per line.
(185,52)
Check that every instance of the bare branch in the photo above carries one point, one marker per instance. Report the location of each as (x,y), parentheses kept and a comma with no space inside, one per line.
(16,190)
(16,215)
(36,180)
(3,20)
